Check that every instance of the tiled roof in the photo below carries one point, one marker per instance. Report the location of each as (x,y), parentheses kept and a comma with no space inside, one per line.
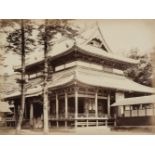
(34,88)
(100,79)
(87,76)
(100,52)
(66,44)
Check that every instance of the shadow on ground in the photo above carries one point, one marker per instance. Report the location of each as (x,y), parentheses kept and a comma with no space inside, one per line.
(83,131)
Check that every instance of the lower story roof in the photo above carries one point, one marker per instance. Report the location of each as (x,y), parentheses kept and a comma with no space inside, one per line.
(89,77)
(135,100)
(96,78)
(37,90)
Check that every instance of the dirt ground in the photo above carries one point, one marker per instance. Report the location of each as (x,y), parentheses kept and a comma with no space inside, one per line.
(82,131)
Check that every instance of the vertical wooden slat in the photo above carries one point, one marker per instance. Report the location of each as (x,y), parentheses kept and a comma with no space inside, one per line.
(66,108)
(66,105)
(57,108)
(31,114)
(96,104)
(76,106)
(108,105)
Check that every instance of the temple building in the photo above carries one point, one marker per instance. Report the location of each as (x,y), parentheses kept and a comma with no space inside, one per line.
(85,82)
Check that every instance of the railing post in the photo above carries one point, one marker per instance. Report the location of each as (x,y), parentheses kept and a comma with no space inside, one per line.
(96,104)
(87,122)
(106,122)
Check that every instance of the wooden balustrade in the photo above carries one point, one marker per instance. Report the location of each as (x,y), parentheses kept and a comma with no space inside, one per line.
(139,112)
(80,116)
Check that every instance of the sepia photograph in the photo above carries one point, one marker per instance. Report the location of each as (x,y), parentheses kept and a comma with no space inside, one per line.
(77,77)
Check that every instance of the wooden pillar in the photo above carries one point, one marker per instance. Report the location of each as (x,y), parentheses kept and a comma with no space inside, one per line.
(66,108)
(108,105)
(87,108)
(25,111)
(140,109)
(96,107)
(57,109)
(76,106)
(14,111)
(31,114)
(96,104)
(120,95)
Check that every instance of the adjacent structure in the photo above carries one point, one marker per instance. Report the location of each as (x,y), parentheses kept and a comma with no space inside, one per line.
(137,111)
(85,79)
(5,112)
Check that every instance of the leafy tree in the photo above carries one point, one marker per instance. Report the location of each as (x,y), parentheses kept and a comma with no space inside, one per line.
(143,72)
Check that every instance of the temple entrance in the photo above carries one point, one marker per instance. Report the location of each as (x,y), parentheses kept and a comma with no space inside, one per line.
(38,114)
(38,110)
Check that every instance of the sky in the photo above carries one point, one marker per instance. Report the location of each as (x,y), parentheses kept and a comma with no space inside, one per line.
(123,35)
(120,35)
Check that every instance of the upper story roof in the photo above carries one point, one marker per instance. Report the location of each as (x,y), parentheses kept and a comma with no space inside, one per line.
(95,78)
(90,42)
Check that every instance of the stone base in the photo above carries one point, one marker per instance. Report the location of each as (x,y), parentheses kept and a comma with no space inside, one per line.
(38,123)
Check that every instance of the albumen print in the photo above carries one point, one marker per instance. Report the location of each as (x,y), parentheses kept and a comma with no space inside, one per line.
(77,77)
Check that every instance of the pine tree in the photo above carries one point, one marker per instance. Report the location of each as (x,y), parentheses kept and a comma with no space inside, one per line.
(47,32)
(20,41)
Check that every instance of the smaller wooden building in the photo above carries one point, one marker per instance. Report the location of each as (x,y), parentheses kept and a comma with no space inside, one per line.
(136,111)
(5,112)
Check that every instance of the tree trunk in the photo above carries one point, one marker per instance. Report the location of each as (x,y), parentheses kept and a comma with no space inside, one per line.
(22,107)
(45,89)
